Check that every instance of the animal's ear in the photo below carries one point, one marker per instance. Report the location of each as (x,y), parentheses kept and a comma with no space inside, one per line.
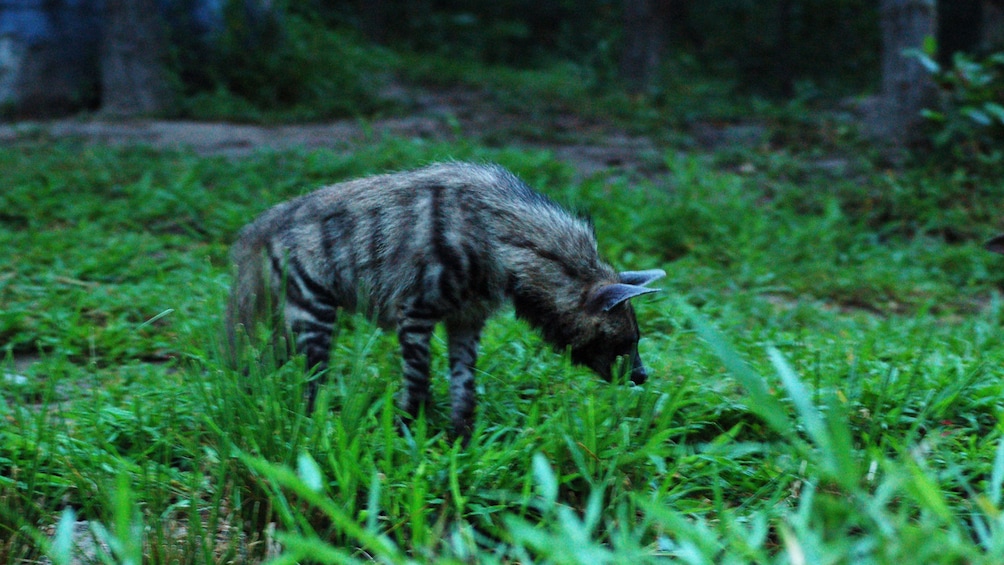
(642,278)
(996,244)
(607,296)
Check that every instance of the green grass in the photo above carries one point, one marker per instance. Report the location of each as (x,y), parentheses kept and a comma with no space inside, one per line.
(825,360)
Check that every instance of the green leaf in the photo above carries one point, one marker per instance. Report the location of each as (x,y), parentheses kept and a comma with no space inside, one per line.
(547,483)
(163,314)
(833,444)
(379,545)
(995,110)
(309,472)
(762,402)
(928,493)
(924,59)
(930,45)
(812,420)
(932,115)
(298,547)
(997,475)
(977,116)
(61,549)
(373,504)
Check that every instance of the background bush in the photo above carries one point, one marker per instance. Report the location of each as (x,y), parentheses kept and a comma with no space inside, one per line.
(279,65)
(968,121)
(326,56)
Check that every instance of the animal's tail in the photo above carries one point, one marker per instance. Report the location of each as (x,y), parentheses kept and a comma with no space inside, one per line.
(248,302)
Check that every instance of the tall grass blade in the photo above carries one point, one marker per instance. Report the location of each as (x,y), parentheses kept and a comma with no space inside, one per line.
(310,549)
(547,483)
(762,403)
(830,435)
(811,419)
(309,472)
(61,547)
(283,477)
(373,504)
(997,475)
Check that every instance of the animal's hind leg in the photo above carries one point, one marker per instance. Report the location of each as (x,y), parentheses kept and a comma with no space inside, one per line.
(463,344)
(312,329)
(414,331)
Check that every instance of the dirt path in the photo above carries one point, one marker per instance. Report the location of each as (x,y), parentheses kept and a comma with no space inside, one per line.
(216,138)
(588,145)
(615,149)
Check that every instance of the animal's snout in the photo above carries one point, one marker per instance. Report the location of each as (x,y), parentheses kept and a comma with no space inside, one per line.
(638,373)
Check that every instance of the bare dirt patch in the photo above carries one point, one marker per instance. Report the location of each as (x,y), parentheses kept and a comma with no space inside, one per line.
(588,145)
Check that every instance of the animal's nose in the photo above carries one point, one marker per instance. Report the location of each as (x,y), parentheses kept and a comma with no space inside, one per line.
(639,375)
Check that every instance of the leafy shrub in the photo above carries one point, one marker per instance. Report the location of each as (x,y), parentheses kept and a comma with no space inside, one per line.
(969,119)
(518,33)
(284,66)
(745,40)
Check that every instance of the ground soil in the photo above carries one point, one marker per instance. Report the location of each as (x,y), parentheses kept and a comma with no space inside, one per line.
(588,145)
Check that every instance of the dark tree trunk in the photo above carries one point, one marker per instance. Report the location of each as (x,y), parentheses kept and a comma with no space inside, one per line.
(992,30)
(133,77)
(374,14)
(644,40)
(959,28)
(48,57)
(785,72)
(906,86)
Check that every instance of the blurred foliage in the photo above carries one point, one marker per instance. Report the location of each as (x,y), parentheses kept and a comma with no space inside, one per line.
(968,122)
(836,41)
(275,63)
(517,33)
(313,59)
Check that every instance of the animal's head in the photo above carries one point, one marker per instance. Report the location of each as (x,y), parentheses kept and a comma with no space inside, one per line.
(613,329)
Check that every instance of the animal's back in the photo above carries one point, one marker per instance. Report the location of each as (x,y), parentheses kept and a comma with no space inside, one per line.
(443,232)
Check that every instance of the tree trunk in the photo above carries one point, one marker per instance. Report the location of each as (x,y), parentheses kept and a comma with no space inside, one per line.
(992,32)
(782,60)
(373,15)
(959,28)
(133,77)
(644,39)
(48,57)
(906,87)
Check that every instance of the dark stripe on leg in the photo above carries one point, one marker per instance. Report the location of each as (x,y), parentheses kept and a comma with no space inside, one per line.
(463,346)
(415,362)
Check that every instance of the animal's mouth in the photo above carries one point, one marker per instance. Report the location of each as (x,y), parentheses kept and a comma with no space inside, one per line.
(625,365)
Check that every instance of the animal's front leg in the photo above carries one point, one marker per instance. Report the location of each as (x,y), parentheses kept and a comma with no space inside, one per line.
(413,332)
(463,343)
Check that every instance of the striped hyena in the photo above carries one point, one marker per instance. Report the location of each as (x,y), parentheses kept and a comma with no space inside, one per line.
(447,243)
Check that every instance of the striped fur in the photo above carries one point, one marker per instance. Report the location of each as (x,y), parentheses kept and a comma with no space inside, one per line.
(448,243)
